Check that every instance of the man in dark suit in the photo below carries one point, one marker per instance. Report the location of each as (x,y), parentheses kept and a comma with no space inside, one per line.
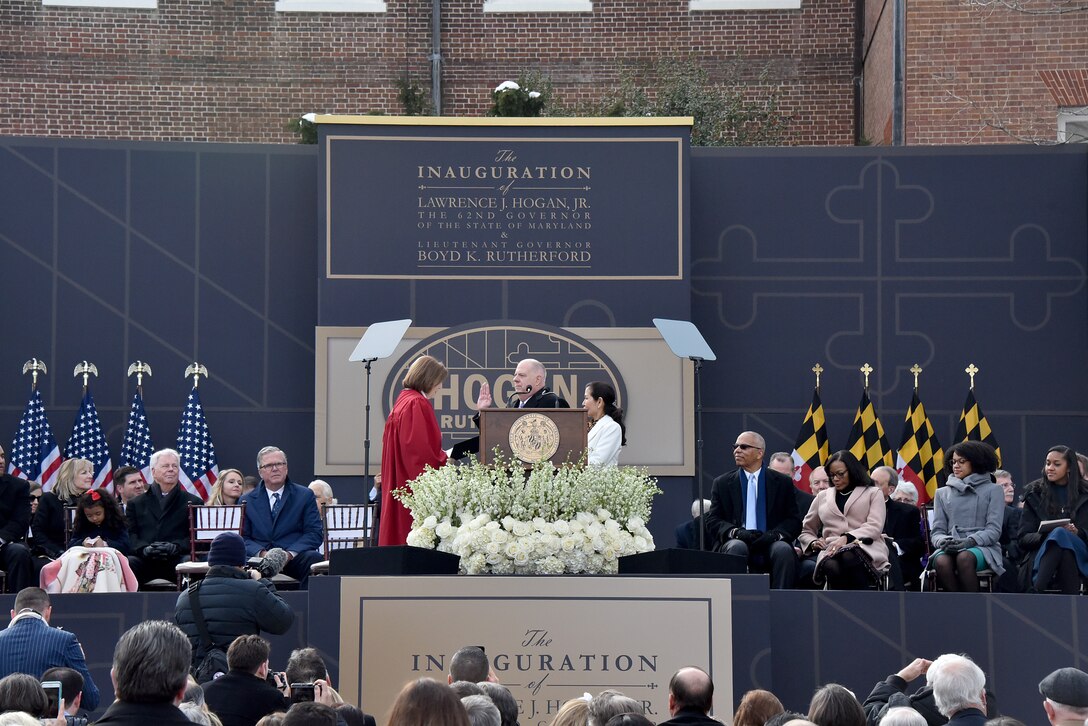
(691,696)
(902,532)
(753,513)
(150,674)
(280,513)
(14,524)
(30,646)
(529,392)
(243,696)
(158,521)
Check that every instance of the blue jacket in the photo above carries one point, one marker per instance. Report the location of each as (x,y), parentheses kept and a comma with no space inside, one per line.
(30,646)
(297,527)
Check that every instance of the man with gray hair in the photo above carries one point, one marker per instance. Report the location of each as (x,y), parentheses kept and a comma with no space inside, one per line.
(903,716)
(470,664)
(481,711)
(158,521)
(1066,696)
(150,673)
(282,514)
(902,532)
(607,704)
(959,689)
(504,701)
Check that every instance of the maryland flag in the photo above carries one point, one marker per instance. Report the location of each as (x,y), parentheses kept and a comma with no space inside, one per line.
(973,425)
(811,449)
(921,458)
(867,440)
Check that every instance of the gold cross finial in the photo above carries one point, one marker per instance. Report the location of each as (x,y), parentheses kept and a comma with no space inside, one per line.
(141,369)
(817,369)
(971,370)
(34,366)
(196,371)
(866,369)
(916,370)
(86,370)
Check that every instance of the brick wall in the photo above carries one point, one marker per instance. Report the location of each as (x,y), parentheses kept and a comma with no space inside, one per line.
(236,70)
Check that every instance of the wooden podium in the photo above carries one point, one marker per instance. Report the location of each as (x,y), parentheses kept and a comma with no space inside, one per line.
(534,429)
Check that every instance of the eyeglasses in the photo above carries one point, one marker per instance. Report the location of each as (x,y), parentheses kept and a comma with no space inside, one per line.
(839,475)
(958,462)
(273,465)
(744,447)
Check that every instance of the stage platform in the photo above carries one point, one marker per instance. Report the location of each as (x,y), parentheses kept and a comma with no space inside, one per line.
(786,641)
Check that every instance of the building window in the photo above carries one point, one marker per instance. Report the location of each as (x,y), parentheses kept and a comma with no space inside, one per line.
(1073,125)
(744,4)
(330,6)
(133,4)
(538,6)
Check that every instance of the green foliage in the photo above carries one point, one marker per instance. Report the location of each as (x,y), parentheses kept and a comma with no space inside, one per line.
(414,98)
(525,97)
(306,131)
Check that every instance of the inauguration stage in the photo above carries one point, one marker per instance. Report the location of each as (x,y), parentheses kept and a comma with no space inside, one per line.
(553,638)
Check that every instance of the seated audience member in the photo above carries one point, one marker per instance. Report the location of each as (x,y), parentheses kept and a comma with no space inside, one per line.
(249,483)
(845,527)
(71,688)
(352,716)
(756,707)
(21,692)
(150,674)
(427,703)
(99,522)
(470,664)
(958,689)
(902,532)
(95,560)
(967,517)
(1066,696)
(195,707)
(834,705)
(128,483)
(158,521)
(48,527)
(609,703)
(310,713)
(227,489)
(906,493)
(1059,556)
(280,513)
(574,712)
(687,533)
(322,492)
(903,716)
(691,696)
(1010,520)
(243,695)
(818,480)
(466,688)
(504,701)
(481,710)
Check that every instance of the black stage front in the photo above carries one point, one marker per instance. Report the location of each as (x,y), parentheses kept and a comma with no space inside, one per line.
(786,641)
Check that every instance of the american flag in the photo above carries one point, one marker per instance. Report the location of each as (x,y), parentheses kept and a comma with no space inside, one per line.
(34,452)
(199,468)
(137,447)
(88,442)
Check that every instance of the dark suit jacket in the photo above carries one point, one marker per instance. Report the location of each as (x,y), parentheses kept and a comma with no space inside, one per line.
(48,525)
(903,523)
(727,506)
(143,714)
(154,518)
(14,508)
(690,717)
(30,646)
(297,527)
(544,398)
(242,699)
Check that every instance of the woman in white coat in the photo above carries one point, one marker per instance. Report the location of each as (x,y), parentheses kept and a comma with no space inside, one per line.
(607,433)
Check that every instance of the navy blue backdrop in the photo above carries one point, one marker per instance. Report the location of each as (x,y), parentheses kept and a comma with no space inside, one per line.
(114,251)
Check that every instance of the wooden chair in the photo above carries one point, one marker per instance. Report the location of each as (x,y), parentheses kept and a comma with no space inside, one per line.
(347,526)
(205,524)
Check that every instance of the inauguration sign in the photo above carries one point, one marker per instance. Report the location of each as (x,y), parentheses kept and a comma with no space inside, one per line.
(545,199)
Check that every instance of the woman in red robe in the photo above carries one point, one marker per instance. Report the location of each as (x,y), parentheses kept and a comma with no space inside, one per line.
(410,443)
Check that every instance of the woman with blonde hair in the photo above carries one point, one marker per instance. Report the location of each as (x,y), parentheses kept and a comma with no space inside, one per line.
(574,712)
(412,442)
(74,478)
(227,489)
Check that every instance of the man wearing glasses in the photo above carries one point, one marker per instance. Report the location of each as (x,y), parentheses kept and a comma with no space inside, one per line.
(753,513)
(280,513)
(14,523)
(158,521)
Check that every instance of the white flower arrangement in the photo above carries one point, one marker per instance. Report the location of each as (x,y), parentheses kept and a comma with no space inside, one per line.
(573,520)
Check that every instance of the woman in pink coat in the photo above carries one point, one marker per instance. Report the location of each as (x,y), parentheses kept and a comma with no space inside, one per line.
(845,525)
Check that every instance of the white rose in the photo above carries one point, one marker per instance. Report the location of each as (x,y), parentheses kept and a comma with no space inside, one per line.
(521,529)
(561,527)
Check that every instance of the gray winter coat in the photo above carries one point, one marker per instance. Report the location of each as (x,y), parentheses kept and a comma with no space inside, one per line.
(973,508)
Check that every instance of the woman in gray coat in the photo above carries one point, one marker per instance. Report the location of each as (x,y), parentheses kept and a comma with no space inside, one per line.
(967,518)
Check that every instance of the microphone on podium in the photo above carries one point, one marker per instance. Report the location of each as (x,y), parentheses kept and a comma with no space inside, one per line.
(528,389)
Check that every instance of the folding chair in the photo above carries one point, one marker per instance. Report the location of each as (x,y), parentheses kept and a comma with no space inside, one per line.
(205,524)
(347,526)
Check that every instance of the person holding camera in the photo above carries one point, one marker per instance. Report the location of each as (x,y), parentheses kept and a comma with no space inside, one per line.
(158,521)
(246,692)
(229,602)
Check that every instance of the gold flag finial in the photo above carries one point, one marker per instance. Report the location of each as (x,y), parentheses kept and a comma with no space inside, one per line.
(86,370)
(817,369)
(971,370)
(196,371)
(141,369)
(866,369)
(917,371)
(34,367)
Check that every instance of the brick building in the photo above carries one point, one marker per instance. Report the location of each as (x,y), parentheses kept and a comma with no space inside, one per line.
(237,70)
